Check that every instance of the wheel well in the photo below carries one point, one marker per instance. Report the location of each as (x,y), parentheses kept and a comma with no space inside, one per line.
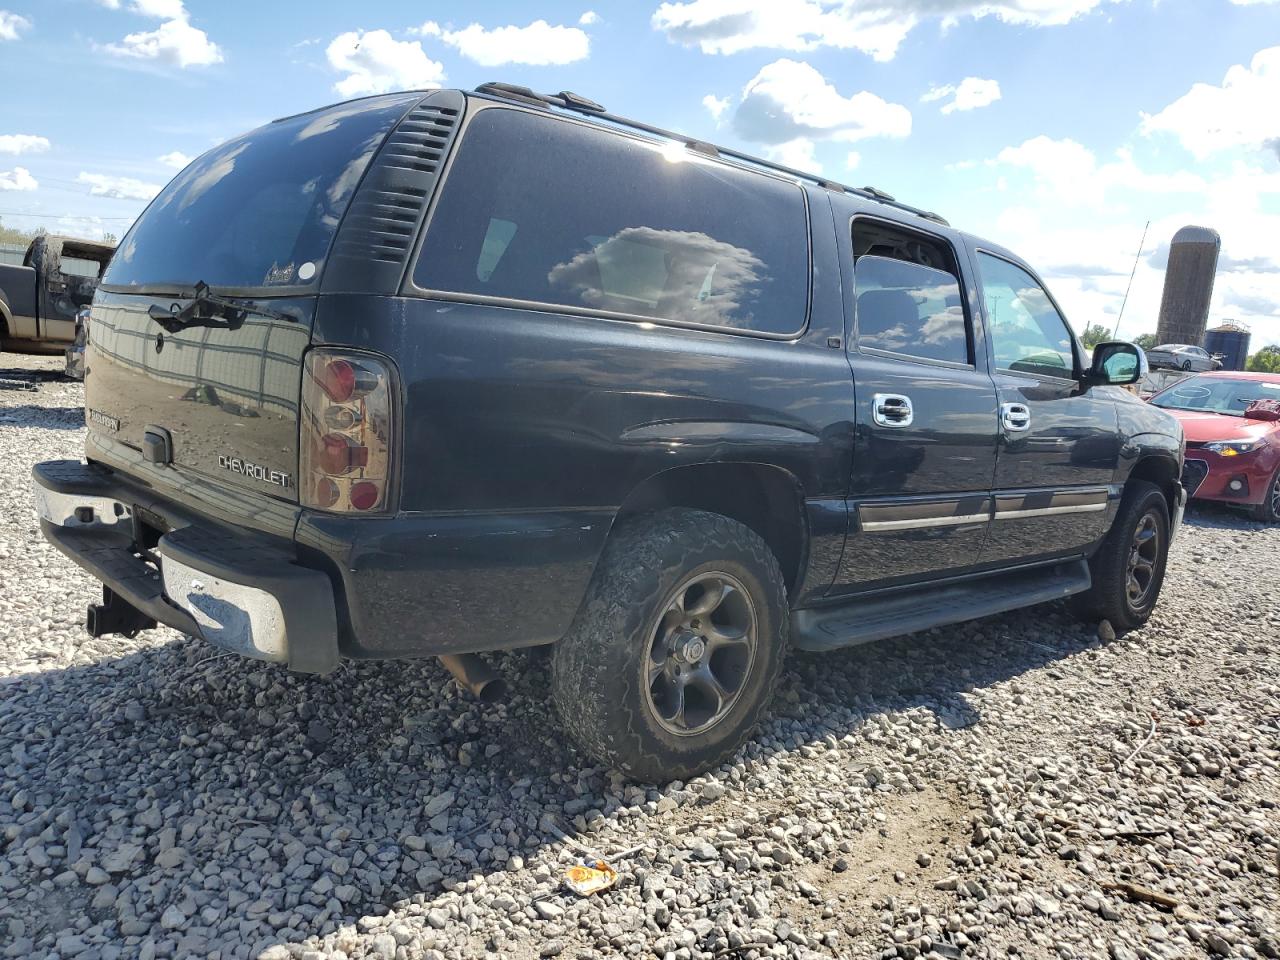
(765,498)
(1161,471)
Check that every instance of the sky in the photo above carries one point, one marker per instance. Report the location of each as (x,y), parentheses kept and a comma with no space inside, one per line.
(1059,128)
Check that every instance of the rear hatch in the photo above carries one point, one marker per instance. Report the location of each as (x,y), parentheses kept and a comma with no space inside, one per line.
(254,220)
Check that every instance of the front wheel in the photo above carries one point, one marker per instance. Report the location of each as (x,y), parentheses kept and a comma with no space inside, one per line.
(1128,569)
(1186,364)
(674,654)
(1268,511)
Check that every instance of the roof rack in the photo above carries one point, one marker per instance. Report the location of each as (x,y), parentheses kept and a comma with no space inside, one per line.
(567,100)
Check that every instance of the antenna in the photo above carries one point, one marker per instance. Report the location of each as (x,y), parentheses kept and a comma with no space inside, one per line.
(1138,256)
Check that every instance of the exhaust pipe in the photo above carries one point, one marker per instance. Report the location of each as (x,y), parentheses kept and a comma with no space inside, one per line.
(475,676)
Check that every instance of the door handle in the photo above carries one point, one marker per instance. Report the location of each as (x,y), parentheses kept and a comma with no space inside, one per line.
(892,410)
(1015,417)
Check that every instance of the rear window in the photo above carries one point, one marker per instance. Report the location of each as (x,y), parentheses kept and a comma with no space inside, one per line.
(552,212)
(261,210)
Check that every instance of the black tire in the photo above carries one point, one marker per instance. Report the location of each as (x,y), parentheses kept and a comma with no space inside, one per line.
(601,671)
(1186,364)
(1143,508)
(1268,511)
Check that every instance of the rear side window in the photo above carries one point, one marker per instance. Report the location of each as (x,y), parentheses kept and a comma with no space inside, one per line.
(551,212)
(261,210)
(909,299)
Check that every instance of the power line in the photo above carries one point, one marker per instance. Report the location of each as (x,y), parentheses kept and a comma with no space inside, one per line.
(62,216)
(1141,243)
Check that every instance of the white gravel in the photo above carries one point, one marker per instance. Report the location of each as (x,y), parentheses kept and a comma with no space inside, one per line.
(977,791)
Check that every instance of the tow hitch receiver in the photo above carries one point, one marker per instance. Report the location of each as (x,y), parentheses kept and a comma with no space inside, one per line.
(115,615)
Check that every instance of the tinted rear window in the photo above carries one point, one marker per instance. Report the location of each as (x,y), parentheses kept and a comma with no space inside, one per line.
(260,210)
(538,209)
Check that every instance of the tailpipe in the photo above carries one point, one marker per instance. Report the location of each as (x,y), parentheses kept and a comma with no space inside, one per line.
(475,676)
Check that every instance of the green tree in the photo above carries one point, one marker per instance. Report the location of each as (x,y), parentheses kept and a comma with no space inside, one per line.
(1147,341)
(1266,360)
(109,238)
(1095,334)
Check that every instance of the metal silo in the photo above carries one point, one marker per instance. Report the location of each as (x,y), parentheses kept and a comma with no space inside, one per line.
(1232,341)
(1188,285)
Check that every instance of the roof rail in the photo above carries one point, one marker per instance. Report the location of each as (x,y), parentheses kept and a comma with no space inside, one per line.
(567,100)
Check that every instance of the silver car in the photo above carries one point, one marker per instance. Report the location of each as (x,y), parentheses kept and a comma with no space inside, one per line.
(1181,356)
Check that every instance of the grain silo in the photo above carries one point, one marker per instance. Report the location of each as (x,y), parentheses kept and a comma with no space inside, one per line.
(1188,285)
(1232,341)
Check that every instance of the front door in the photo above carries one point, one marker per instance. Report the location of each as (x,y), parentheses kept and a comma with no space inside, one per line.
(1059,443)
(925,441)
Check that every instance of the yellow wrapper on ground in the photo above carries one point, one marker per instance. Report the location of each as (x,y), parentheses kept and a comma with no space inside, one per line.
(586,879)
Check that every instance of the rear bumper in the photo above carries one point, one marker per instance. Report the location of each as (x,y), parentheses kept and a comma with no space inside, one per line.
(410,585)
(233,588)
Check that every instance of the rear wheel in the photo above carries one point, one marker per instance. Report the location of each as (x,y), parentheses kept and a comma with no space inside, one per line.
(1128,569)
(1268,511)
(674,655)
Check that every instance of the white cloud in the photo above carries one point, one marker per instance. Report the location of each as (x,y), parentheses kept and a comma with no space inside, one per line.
(11,25)
(588,18)
(16,143)
(110,4)
(538,44)
(376,63)
(175,42)
(797,154)
(1065,168)
(1252,3)
(19,178)
(876,27)
(716,106)
(789,101)
(177,160)
(160,9)
(853,160)
(1239,113)
(969,94)
(119,188)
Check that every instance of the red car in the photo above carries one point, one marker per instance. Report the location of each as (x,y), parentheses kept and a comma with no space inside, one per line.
(1232,424)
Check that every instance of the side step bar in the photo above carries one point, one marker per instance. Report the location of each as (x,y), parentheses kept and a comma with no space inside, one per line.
(875,618)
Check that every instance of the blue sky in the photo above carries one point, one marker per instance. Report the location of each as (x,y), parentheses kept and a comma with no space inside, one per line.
(1057,127)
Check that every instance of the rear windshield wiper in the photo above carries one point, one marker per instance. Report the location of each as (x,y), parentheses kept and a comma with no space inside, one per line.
(206,309)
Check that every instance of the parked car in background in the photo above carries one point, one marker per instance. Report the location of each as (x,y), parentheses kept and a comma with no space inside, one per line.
(471,371)
(39,299)
(1232,424)
(75,351)
(1182,356)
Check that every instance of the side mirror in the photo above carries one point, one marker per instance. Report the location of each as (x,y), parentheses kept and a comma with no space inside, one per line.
(1116,363)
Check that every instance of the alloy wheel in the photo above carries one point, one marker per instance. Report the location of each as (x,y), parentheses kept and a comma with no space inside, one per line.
(1275,498)
(1144,554)
(701,653)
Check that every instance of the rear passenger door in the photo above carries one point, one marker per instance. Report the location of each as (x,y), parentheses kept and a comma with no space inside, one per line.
(925,443)
(1059,441)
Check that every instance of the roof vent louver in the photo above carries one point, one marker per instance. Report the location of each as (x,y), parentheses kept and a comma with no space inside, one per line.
(376,237)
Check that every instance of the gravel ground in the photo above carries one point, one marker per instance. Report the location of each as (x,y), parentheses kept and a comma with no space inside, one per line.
(1016,786)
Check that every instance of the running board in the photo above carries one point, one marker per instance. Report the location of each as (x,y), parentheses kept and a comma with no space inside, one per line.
(875,618)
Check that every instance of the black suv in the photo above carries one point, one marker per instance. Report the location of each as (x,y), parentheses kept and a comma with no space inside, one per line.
(429,374)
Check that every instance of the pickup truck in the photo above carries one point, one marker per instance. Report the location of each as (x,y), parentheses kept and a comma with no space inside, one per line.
(437,374)
(39,299)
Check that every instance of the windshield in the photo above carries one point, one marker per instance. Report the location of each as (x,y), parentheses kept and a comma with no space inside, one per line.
(1216,395)
(260,210)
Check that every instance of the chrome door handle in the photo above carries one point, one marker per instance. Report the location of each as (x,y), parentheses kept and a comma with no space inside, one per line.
(892,410)
(1015,417)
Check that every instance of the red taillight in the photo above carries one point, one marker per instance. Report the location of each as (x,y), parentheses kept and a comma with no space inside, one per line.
(338,380)
(364,494)
(346,432)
